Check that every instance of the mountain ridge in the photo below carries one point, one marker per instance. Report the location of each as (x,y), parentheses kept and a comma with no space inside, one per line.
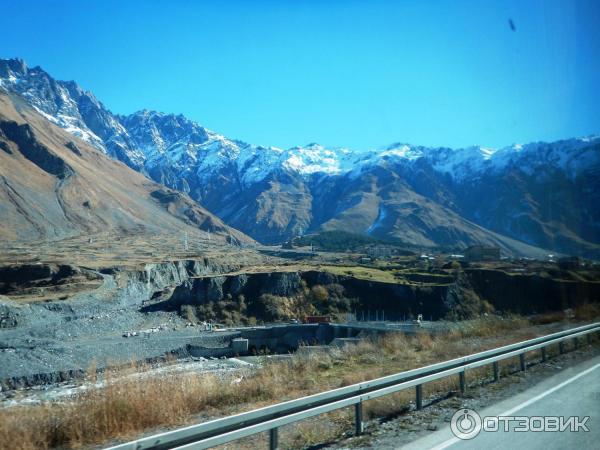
(55,186)
(273,194)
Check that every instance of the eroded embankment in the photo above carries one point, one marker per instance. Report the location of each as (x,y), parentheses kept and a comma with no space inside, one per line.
(531,293)
(138,315)
(50,341)
(285,295)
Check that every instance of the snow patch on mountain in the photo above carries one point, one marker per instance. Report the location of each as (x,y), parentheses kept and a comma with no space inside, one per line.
(73,126)
(403,151)
(379,222)
(573,156)
(315,158)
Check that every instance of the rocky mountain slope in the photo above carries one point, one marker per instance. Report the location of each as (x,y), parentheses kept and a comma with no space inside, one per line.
(539,194)
(54,185)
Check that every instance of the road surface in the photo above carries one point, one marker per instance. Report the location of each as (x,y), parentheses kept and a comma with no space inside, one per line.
(574,391)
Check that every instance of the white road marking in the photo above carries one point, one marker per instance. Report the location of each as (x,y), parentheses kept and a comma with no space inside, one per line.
(511,411)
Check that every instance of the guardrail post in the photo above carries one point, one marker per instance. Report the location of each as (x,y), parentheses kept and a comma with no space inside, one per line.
(419,391)
(462,381)
(544,356)
(358,418)
(589,338)
(522,361)
(576,343)
(496,370)
(273,439)
(561,347)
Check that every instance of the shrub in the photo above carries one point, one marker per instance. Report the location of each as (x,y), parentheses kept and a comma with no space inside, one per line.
(469,306)
(455,265)
(269,307)
(188,312)
(335,290)
(241,301)
(319,294)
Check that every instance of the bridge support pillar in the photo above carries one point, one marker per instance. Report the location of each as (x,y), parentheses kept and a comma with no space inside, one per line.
(496,369)
(419,399)
(273,439)
(358,419)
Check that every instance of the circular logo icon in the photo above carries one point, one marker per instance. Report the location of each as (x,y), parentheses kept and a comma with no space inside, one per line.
(465,424)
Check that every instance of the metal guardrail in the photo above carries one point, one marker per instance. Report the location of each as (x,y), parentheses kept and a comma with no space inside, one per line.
(270,418)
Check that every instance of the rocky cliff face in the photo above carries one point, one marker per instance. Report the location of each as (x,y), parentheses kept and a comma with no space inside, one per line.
(66,104)
(463,295)
(528,294)
(40,155)
(214,289)
(346,294)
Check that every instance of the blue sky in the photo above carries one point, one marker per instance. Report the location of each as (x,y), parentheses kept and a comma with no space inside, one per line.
(360,74)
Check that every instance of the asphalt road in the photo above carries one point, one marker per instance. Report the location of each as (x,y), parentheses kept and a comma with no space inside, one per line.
(575,391)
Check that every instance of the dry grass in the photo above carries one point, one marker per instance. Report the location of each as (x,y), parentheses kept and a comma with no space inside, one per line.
(318,430)
(549,317)
(363,273)
(491,326)
(588,312)
(129,406)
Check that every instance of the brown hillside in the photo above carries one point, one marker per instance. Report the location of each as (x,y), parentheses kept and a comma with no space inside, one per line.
(53,185)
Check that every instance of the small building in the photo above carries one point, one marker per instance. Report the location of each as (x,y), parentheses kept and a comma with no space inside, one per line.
(482,253)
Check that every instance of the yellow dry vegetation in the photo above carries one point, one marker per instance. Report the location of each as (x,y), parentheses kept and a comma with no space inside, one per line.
(128,406)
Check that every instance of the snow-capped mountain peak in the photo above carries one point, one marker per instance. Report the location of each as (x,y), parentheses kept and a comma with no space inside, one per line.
(69,106)
(156,142)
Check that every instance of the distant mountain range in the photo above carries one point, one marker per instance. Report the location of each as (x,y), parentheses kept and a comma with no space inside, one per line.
(523,198)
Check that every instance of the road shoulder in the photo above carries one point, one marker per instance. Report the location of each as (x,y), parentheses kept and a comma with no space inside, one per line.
(430,426)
